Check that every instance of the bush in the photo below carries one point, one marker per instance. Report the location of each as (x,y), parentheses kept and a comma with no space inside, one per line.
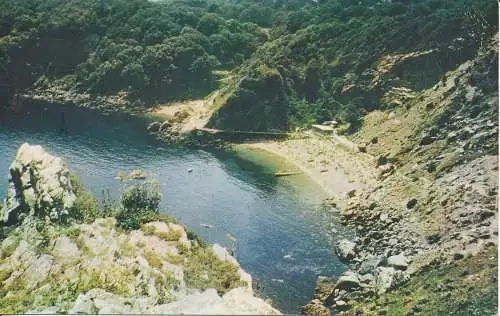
(140,204)
(86,207)
(204,270)
(142,197)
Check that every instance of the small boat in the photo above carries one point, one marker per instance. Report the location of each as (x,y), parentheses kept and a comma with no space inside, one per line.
(286,173)
(206,225)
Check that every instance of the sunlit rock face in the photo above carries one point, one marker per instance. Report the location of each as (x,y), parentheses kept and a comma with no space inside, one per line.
(39,185)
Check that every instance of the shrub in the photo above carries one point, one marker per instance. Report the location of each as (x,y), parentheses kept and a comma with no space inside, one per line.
(140,204)
(86,207)
(142,197)
(172,235)
(204,270)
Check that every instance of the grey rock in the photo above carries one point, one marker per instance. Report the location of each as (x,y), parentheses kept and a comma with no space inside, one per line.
(38,271)
(367,278)
(52,310)
(384,278)
(369,264)
(348,280)
(38,184)
(388,277)
(83,305)
(340,303)
(346,249)
(65,249)
(153,127)
(398,262)
(236,301)
(165,125)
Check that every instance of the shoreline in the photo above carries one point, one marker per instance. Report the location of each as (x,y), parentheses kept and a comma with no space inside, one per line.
(269,148)
(348,171)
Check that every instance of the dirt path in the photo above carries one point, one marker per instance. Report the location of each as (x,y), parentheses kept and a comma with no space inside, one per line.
(189,115)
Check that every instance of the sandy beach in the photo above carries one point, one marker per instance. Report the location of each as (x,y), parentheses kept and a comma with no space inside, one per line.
(335,168)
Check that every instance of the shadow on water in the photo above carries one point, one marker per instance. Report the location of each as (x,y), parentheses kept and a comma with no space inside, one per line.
(283,239)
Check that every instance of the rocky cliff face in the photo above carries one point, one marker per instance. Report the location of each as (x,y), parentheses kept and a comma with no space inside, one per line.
(433,213)
(49,266)
(39,185)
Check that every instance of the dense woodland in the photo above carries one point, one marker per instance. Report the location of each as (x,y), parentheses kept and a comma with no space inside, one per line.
(295,62)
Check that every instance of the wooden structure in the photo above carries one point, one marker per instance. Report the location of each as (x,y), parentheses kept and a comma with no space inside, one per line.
(241,135)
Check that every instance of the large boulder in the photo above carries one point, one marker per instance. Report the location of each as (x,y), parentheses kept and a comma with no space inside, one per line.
(388,277)
(348,280)
(39,185)
(369,264)
(384,279)
(398,262)
(346,249)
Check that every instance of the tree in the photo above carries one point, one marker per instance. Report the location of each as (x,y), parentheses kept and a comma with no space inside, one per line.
(312,80)
(133,74)
(210,23)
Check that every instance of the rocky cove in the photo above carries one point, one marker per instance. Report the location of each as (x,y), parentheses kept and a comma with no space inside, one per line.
(248,202)
(420,194)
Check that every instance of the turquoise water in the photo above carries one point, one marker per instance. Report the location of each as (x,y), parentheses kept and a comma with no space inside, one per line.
(282,236)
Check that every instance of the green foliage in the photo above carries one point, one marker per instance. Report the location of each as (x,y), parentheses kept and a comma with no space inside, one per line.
(465,287)
(326,52)
(142,197)
(323,54)
(151,50)
(257,104)
(171,235)
(204,270)
(85,207)
(140,204)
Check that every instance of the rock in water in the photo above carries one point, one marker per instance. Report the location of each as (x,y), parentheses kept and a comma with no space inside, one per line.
(39,185)
(137,175)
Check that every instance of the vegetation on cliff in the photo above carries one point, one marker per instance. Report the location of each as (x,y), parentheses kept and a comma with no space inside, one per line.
(293,62)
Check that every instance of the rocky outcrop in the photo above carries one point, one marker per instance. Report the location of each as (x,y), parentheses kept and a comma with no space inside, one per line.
(113,272)
(346,250)
(39,185)
(90,268)
(208,302)
(434,205)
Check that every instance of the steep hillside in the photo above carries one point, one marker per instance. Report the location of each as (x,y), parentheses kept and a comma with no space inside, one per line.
(432,217)
(294,62)
(342,59)
(418,184)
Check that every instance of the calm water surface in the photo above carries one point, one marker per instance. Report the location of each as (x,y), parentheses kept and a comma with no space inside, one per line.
(282,236)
